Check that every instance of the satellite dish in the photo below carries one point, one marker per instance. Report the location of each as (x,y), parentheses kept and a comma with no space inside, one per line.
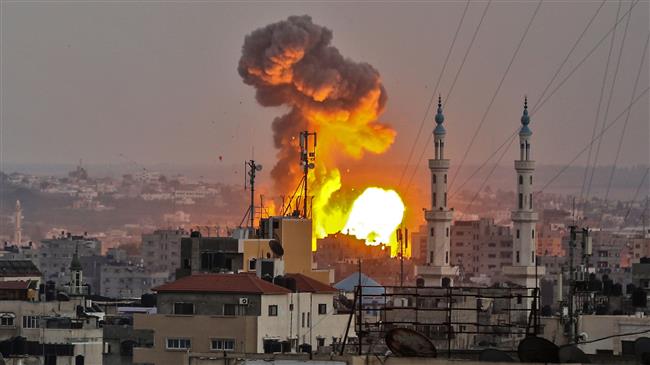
(406,342)
(494,355)
(276,248)
(258,167)
(537,349)
(642,350)
(571,354)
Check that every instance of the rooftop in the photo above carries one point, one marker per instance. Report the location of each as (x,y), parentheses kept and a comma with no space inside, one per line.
(222,283)
(305,284)
(13,268)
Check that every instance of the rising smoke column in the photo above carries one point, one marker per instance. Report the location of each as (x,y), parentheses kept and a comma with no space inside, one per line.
(292,63)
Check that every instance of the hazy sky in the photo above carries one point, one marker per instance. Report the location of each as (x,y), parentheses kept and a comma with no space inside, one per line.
(158,82)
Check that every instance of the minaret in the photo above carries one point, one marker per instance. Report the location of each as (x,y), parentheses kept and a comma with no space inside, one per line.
(438,270)
(18,220)
(524,217)
(76,274)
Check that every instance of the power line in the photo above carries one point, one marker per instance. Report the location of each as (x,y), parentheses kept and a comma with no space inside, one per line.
(575,45)
(627,117)
(435,90)
(540,104)
(609,100)
(557,72)
(597,137)
(451,89)
(496,92)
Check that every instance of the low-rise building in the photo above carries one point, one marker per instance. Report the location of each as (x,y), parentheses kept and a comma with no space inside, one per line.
(219,313)
(55,255)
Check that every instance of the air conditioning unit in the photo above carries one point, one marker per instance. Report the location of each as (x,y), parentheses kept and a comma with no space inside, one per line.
(243,301)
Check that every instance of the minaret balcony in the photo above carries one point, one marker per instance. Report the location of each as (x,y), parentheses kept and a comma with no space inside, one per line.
(525,165)
(444,215)
(439,164)
(523,216)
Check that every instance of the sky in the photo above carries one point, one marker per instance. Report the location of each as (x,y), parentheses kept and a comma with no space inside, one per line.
(157,82)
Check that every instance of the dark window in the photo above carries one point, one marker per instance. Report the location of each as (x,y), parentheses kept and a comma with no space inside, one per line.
(252,264)
(308,319)
(273,310)
(434,179)
(517,256)
(521,201)
(435,200)
(521,179)
(79,360)
(322,309)
(530,201)
(430,256)
(445,178)
(183,308)
(446,257)
(229,310)
(533,233)
(433,232)
(222,344)
(531,179)
(445,199)
(320,342)
(447,231)
(517,233)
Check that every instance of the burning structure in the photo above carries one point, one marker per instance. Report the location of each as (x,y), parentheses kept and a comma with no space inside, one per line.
(293,63)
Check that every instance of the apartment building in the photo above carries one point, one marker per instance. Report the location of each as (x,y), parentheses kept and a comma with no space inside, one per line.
(161,251)
(216,313)
(56,254)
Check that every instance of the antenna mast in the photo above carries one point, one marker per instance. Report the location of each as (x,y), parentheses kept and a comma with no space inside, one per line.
(252,168)
(307,158)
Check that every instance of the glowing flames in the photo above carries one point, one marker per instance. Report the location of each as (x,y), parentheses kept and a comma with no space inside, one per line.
(292,63)
(375,216)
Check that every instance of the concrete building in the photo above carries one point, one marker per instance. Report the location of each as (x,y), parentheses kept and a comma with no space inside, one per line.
(125,280)
(209,255)
(54,332)
(438,270)
(161,250)
(56,254)
(19,270)
(524,270)
(217,313)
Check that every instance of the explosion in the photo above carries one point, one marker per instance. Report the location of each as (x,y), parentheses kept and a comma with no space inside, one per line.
(291,63)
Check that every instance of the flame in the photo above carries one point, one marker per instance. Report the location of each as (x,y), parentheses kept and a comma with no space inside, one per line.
(375,215)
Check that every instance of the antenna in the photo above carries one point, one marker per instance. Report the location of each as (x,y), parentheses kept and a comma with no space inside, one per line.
(251,169)
(307,158)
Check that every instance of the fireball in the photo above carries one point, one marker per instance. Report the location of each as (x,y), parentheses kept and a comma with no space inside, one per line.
(375,215)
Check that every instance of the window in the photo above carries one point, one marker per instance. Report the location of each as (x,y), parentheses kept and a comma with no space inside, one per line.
(447,232)
(532,256)
(7,319)
(302,322)
(320,342)
(222,344)
(521,201)
(445,178)
(252,264)
(30,322)
(433,232)
(532,233)
(430,256)
(273,310)
(517,233)
(435,199)
(183,308)
(446,257)
(445,199)
(229,310)
(531,179)
(521,180)
(308,319)
(178,343)
(434,179)
(517,256)
(530,201)
(322,308)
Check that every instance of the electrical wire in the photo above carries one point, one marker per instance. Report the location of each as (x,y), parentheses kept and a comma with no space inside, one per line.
(566,78)
(433,94)
(451,89)
(595,138)
(496,92)
(609,99)
(627,118)
(636,193)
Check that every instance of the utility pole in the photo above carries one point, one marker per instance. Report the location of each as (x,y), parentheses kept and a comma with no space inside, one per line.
(252,168)
(307,158)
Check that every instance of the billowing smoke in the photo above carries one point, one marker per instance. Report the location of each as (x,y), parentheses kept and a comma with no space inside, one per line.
(293,63)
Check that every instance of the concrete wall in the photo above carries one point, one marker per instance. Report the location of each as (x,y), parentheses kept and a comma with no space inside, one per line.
(209,303)
(199,329)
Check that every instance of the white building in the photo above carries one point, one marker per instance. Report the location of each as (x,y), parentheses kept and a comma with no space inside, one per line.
(438,270)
